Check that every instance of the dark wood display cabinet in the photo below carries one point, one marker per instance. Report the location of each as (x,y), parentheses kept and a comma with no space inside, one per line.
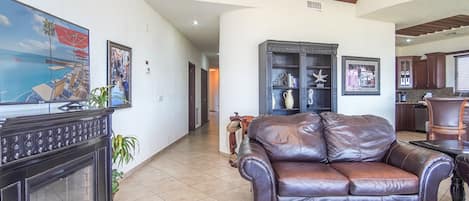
(290,68)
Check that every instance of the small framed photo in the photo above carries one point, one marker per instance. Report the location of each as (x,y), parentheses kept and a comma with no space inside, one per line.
(119,65)
(360,76)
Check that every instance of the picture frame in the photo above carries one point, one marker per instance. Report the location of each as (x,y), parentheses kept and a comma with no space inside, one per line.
(45,58)
(361,76)
(119,75)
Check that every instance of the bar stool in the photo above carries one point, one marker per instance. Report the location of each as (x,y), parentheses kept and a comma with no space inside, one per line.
(446,117)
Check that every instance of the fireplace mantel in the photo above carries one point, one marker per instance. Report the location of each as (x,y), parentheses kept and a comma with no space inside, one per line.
(47,146)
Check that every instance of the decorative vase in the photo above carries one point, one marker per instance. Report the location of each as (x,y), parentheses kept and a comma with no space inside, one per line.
(288,99)
(290,80)
(310,97)
(273,101)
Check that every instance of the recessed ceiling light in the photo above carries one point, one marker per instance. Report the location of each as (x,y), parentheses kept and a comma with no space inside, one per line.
(195,22)
(408,40)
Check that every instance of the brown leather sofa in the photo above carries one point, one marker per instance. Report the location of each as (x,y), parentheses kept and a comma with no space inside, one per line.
(334,157)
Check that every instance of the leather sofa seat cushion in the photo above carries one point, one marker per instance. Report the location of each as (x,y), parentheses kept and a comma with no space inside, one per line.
(356,138)
(304,179)
(375,178)
(296,137)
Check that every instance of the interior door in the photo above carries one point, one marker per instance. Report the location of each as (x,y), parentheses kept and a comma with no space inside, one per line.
(191,96)
(204,96)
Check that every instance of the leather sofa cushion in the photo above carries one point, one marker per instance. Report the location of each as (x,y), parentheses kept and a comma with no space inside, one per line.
(304,179)
(356,138)
(291,138)
(375,178)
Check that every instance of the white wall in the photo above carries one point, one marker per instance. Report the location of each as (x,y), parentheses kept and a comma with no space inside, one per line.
(243,30)
(448,45)
(156,123)
(365,7)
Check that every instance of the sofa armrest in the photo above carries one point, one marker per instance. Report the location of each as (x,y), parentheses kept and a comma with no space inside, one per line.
(254,165)
(430,166)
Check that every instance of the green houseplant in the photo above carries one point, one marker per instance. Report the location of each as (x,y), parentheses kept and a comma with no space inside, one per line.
(123,151)
(123,147)
(99,96)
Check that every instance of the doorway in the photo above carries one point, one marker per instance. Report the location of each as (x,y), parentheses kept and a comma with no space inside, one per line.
(204,96)
(213,89)
(191,96)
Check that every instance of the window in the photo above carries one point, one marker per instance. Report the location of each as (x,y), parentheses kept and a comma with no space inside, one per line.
(462,73)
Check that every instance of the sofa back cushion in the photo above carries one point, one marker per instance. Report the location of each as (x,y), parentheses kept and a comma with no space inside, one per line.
(356,138)
(296,137)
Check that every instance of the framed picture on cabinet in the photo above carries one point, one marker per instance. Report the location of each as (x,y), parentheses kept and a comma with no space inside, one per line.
(360,76)
(119,64)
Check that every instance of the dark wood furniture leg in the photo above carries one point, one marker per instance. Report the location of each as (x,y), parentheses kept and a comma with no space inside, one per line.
(233,142)
(457,187)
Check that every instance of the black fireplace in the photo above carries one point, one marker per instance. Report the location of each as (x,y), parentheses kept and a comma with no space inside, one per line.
(56,157)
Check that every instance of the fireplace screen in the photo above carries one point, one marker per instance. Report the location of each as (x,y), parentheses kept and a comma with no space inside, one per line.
(64,184)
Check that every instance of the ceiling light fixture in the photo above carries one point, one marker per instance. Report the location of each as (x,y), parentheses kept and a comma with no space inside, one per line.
(408,40)
(195,22)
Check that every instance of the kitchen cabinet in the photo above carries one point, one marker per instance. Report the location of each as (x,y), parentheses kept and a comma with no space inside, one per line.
(405,117)
(436,70)
(413,73)
(420,74)
(405,72)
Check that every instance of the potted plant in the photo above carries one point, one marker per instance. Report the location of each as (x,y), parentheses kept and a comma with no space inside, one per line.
(123,150)
(99,96)
(123,147)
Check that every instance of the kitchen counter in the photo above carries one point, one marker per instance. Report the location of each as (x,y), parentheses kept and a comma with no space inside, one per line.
(407,103)
(416,103)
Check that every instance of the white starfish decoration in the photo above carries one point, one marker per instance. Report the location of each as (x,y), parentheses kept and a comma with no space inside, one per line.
(320,77)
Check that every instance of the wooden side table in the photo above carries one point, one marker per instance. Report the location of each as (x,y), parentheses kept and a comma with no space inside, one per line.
(237,122)
(451,148)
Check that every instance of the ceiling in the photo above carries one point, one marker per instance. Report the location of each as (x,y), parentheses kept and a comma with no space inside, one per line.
(405,14)
(182,13)
(416,12)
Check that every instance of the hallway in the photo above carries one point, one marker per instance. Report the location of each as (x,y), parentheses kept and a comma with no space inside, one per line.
(192,169)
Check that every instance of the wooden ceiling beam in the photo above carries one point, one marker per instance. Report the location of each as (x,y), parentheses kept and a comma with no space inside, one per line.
(463,22)
(436,26)
(349,1)
(408,33)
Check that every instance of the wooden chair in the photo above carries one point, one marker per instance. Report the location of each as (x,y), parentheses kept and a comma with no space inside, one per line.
(446,116)
(237,122)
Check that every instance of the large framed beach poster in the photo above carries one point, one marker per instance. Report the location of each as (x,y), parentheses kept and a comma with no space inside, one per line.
(43,58)
(119,66)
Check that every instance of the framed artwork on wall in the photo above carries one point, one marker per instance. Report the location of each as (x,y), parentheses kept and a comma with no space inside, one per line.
(43,58)
(360,76)
(119,65)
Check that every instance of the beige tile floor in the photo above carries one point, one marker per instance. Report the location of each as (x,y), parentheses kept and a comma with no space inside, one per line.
(192,169)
